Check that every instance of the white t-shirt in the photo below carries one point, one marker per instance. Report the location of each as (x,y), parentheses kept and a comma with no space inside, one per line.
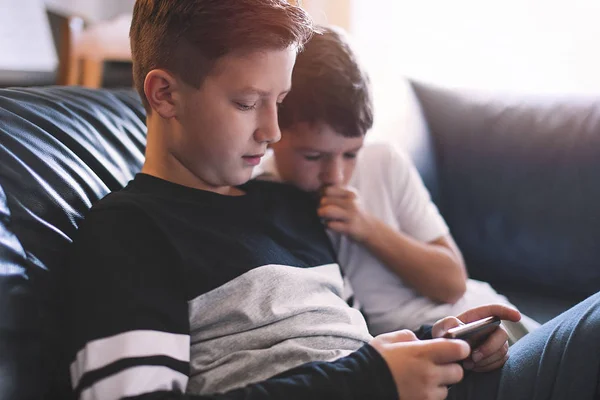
(391,189)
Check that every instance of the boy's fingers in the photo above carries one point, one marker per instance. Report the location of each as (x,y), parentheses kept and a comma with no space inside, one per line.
(339,191)
(440,392)
(494,343)
(499,310)
(491,360)
(338,226)
(403,335)
(333,213)
(444,351)
(335,201)
(451,374)
(492,366)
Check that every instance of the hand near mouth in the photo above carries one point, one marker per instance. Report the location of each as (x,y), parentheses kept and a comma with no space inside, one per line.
(341,210)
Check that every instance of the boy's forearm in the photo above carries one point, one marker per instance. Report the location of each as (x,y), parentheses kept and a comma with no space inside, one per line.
(363,374)
(435,271)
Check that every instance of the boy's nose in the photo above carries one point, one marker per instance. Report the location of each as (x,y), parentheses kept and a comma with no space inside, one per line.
(333,174)
(268,129)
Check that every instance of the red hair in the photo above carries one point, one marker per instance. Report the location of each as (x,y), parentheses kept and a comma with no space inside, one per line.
(187,37)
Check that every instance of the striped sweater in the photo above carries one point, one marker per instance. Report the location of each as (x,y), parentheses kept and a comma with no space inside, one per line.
(179,293)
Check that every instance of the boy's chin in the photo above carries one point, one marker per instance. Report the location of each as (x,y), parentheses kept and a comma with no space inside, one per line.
(241,178)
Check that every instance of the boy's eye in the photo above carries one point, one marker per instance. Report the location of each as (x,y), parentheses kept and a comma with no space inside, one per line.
(350,156)
(312,157)
(245,107)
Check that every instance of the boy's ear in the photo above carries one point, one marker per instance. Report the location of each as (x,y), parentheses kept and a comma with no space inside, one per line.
(161,89)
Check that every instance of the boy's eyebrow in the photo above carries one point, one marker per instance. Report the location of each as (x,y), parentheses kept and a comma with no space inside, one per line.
(261,93)
(310,149)
(354,150)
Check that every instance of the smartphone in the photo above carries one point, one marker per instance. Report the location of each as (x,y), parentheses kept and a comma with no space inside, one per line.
(474,333)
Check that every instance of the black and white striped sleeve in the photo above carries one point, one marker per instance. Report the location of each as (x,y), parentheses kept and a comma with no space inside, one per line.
(129,317)
(361,375)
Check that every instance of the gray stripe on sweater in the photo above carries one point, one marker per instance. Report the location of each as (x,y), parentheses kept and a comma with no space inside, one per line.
(267,321)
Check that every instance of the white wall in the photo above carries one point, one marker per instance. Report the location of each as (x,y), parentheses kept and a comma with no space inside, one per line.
(516,45)
(92,10)
(25,38)
(334,12)
(531,46)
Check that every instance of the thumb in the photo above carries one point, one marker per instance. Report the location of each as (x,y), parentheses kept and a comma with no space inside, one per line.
(443,351)
(443,325)
(398,336)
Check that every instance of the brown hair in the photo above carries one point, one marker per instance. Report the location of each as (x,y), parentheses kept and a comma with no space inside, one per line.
(187,37)
(329,85)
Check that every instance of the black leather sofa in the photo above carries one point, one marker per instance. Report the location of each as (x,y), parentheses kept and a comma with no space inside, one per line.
(61,149)
(515,177)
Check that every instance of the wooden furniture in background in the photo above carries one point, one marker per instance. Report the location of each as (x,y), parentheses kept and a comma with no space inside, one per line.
(84,49)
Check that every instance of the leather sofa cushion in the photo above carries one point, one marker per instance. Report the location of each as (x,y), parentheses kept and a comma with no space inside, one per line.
(519,185)
(61,149)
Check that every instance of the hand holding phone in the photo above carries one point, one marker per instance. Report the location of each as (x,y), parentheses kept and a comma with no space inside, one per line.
(474,333)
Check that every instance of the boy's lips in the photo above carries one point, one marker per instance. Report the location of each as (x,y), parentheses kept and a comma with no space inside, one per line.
(253,159)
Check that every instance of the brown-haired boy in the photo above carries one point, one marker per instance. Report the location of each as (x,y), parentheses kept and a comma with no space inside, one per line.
(191,280)
(392,243)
